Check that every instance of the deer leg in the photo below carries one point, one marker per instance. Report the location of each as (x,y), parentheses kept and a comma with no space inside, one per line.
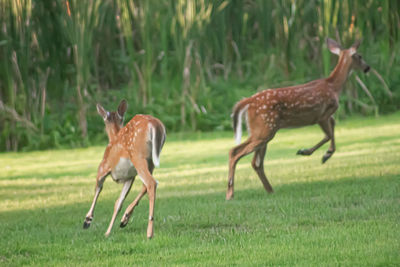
(234,155)
(144,172)
(329,130)
(232,166)
(131,207)
(99,186)
(325,126)
(117,207)
(258,166)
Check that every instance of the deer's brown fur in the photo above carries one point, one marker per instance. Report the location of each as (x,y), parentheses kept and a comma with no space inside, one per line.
(132,150)
(295,106)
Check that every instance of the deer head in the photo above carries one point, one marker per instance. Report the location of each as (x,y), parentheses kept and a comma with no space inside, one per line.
(113,120)
(351,53)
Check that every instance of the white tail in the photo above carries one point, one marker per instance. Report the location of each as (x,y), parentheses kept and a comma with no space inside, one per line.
(156,142)
(238,130)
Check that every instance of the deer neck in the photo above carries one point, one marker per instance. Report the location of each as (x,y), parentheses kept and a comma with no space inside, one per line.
(342,70)
(112,132)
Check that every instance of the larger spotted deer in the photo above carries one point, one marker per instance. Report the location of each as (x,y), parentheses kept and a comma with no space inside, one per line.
(270,110)
(132,150)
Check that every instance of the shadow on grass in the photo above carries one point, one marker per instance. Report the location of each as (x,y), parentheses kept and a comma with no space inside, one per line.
(59,173)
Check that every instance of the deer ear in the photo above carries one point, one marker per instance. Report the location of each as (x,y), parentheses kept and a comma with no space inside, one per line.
(101,111)
(122,108)
(354,47)
(333,46)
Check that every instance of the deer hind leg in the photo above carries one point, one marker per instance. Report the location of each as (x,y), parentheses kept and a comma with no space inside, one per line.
(258,166)
(118,204)
(329,131)
(232,166)
(235,154)
(325,126)
(129,210)
(99,186)
(145,175)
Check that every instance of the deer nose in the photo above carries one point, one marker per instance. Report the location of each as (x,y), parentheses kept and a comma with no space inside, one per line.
(367,69)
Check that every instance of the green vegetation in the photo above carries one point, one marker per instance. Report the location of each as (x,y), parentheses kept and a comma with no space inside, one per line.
(185,61)
(343,213)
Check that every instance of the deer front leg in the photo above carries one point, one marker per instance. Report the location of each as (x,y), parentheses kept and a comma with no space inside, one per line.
(308,152)
(330,133)
(131,207)
(325,126)
(125,190)
(99,186)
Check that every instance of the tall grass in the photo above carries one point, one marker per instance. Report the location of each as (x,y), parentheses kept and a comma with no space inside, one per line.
(186,62)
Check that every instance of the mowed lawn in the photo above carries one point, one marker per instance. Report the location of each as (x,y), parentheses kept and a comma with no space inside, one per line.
(343,213)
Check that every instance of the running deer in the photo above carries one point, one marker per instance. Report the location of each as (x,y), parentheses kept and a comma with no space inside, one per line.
(289,107)
(132,150)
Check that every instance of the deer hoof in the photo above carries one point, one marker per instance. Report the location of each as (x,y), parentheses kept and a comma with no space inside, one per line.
(150,230)
(124,221)
(87,222)
(327,156)
(303,152)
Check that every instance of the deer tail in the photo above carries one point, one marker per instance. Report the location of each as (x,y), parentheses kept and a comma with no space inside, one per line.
(157,137)
(237,115)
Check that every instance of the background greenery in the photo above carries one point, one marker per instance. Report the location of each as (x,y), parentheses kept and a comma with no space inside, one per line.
(186,62)
(343,213)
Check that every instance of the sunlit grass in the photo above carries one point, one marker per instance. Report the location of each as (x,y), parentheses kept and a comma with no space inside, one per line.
(345,212)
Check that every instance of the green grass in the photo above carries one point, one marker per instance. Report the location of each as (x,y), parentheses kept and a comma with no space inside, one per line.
(345,212)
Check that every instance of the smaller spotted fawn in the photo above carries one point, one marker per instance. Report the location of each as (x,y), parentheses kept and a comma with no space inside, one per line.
(132,150)
(289,107)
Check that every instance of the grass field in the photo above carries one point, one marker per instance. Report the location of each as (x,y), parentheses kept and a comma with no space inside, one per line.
(343,213)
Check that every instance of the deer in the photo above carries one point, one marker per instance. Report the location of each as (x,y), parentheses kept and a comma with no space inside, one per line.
(133,150)
(296,106)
